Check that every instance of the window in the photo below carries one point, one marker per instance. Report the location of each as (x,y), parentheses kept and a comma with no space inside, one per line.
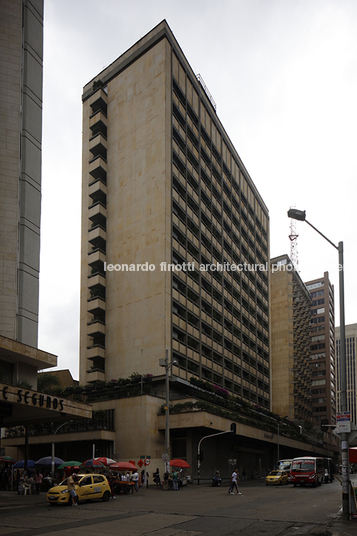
(318,382)
(86,481)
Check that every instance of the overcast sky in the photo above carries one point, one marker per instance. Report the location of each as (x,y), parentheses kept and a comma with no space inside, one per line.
(283,74)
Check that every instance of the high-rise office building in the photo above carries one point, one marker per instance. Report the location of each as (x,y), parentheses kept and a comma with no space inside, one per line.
(322,350)
(21,34)
(164,193)
(290,311)
(351,369)
(21,38)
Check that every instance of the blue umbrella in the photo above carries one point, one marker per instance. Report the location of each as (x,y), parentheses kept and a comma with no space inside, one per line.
(47,460)
(21,464)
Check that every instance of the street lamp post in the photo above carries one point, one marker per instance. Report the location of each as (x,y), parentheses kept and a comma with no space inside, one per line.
(167,364)
(53,448)
(301,216)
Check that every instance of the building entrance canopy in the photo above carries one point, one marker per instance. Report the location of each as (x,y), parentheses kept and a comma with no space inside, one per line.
(20,406)
(24,405)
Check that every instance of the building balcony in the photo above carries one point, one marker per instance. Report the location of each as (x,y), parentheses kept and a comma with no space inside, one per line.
(95,328)
(97,237)
(98,124)
(98,216)
(97,191)
(97,291)
(95,352)
(98,146)
(96,257)
(98,168)
(96,280)
(96,306)
(99,102)
(95,376)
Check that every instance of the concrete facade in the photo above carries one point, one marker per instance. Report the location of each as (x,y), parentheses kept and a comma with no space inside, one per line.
(322,348)
(163,186)
(21,30)
(290,306)
(165,192)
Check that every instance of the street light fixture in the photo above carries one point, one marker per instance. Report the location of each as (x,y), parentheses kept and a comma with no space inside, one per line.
(301,216)
(53,448)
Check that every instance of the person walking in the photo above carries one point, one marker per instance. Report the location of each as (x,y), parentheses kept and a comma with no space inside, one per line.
(142,478)
(157,479)
(135,479)
(71,482)
(234,483)
(38,482)
(175,480)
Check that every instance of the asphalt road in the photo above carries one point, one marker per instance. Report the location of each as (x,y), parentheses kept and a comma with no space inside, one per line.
(191,511)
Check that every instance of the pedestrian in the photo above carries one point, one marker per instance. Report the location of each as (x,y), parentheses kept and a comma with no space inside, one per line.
(111,477)
(175,480)
(157,479)
(166,481)
(71,482)
(234,483)
(38,482)
(135,479)
(142,478)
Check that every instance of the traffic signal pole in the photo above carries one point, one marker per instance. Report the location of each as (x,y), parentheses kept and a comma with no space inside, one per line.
(231,431)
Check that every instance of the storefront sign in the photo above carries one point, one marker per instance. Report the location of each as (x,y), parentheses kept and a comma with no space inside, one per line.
(27,397)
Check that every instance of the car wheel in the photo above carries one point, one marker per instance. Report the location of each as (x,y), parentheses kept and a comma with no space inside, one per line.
(106,496)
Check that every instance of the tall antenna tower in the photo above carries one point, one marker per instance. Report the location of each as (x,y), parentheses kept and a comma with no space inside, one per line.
(294,243)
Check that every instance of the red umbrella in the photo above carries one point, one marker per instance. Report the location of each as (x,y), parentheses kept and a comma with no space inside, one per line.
(104,460)
(179,463)
(123,466)
(92,463)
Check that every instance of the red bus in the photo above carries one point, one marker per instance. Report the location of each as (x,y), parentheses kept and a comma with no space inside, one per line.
(307,470)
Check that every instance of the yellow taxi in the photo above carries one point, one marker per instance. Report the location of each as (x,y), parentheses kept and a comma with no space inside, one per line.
(88,487)
(276,477)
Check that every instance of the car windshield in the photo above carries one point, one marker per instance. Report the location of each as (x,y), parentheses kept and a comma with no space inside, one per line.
(64,482)
(275,473)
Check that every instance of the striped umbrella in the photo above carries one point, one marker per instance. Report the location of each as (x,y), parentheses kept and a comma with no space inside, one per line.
(91,463)
(104,460)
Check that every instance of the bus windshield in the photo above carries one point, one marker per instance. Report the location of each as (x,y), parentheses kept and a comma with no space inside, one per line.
(282,466)
(303,465)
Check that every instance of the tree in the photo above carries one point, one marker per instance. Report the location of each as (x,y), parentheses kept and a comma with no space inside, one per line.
(46,382)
